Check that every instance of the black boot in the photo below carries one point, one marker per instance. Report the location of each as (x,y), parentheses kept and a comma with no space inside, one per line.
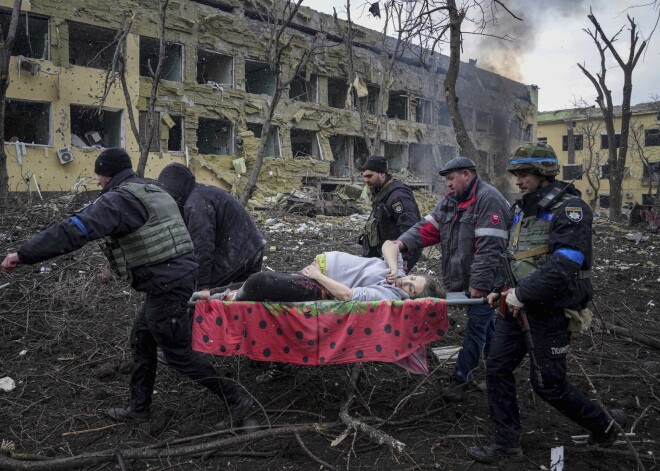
(607,437)
(493,452)
(237,412)
(456,391)
(127,414)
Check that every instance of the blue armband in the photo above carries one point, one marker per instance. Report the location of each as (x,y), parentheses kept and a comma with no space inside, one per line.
(80,226)
(573,255)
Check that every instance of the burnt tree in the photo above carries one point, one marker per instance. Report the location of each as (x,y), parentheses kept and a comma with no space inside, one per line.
(616,156)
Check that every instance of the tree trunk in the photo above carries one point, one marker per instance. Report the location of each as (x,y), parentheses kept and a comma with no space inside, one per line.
(462,137)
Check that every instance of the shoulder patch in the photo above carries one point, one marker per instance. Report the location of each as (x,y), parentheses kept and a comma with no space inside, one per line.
(495,219)
(397,207)
(574,213)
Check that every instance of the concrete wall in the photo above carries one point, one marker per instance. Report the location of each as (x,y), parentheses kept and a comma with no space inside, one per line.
(510,108)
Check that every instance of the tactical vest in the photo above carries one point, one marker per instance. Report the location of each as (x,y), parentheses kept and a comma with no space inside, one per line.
(164,236)
(375,231)
(528,240)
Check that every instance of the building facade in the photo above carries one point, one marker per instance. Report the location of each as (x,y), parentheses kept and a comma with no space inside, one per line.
(215,92)
(579,138)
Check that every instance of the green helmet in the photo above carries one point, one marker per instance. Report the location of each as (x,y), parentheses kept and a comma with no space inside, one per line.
(538,157)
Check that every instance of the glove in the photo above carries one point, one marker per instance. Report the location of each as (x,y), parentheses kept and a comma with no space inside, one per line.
(512,300)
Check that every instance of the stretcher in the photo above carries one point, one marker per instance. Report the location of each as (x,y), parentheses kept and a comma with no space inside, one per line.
(325,332)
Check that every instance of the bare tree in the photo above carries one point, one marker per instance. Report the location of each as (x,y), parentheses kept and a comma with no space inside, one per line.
(6,46)
(117,71)
(616,155)
(278,58)
(589,127)
(638,147)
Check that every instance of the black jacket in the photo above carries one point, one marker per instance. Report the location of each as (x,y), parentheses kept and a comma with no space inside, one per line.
(223,233)
(115,213)
(556,284)
(400,212)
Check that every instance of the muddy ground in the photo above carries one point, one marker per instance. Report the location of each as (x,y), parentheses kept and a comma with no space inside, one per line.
(64,341)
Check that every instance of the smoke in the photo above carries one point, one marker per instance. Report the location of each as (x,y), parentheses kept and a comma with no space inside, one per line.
(505,56)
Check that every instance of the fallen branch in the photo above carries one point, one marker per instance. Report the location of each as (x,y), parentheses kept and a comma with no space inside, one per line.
(91,430)
(9,463)
(637,336)
(312,455)
(374,435)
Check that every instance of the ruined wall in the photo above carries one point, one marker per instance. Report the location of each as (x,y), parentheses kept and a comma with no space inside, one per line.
(198,27)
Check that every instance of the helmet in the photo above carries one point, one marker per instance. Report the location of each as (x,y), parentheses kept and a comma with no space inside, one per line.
(538,157)
(457,163)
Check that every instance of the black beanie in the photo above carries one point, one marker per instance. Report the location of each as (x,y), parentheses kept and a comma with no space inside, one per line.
(376,163)
(112,161)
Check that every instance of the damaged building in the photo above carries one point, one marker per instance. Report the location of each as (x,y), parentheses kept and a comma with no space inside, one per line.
(214,96)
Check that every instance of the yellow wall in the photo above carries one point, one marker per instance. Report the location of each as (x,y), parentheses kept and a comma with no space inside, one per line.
(633,185)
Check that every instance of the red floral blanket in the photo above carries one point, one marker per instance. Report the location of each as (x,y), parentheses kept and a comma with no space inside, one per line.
(321,333)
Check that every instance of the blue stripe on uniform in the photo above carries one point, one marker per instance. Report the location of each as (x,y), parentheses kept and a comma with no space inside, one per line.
(546,216)
(80,226)
(573,255)
(533,160)
(516,219)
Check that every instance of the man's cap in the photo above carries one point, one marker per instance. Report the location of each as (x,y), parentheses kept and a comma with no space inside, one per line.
(112,161)
(458,163)
(376,163)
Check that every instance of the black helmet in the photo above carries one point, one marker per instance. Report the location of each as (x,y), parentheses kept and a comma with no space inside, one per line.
(458,163)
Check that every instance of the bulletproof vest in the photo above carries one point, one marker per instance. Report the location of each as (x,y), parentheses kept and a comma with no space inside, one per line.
(164,236)
(528,240)
(376,230)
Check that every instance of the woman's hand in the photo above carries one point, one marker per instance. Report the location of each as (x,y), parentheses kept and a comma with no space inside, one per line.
(313,271)
(390,277)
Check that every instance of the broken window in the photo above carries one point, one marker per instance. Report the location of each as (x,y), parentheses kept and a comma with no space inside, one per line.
(394,154)
(337,92)
(444,119)
(604,201)
(372,99)
(652,169)
(483,121)
(91,46)
(89,128)
(652,137)
(215,136)
(27,121)
(259,79)
(272,148)
(423,111)
(154,145)
(304,144)
(303,90)
(340,146)
(397,107)
(577,141)
(420,160)
(605,171)
(172,68)
(175,139)
(571,172)
(215,69)
(31,34)
(543,140)
(360,152)
(604,141)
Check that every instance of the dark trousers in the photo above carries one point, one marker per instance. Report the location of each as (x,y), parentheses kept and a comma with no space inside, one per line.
(280,287)
(477,339)
(242,272)
(551,342)
(164,321)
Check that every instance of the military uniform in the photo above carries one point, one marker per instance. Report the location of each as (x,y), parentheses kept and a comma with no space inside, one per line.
(394,211)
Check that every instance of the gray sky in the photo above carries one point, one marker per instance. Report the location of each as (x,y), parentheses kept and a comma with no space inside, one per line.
(550,43)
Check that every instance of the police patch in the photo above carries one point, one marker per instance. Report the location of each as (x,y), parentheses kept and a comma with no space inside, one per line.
(574,213)
(397,207)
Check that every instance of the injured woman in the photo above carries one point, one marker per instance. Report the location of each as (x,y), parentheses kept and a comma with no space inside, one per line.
(339,276)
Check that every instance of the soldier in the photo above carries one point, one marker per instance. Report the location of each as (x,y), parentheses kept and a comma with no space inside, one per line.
(470,225)
(394,211)
(149,246)
(551,258)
